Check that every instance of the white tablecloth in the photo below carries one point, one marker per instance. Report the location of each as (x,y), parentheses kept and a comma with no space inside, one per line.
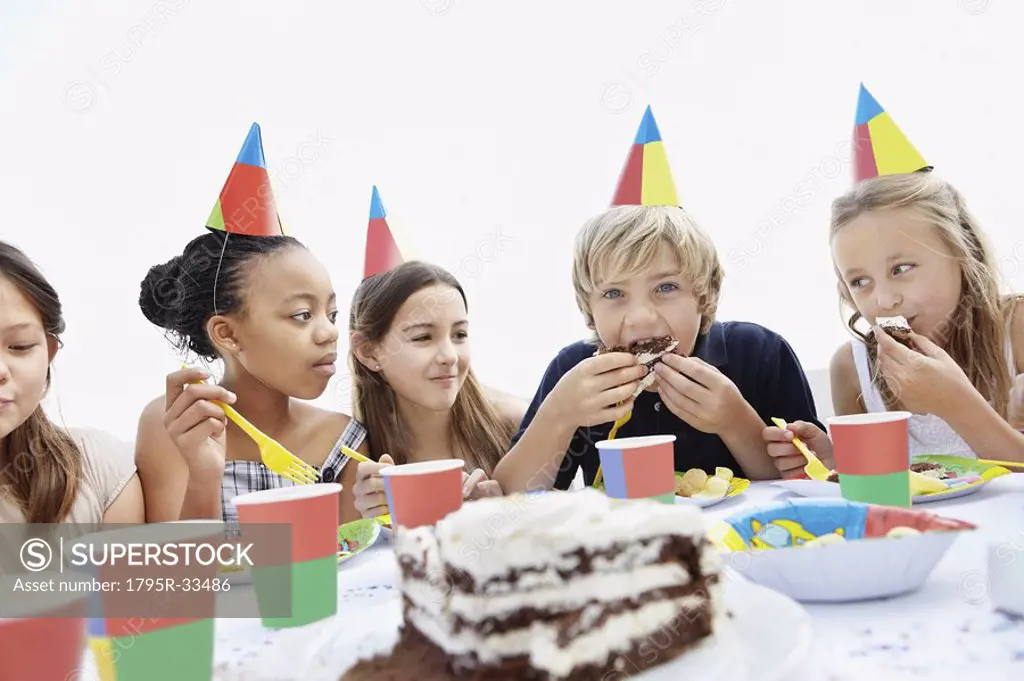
(946,630)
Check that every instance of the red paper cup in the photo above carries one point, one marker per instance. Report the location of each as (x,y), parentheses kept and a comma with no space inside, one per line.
(422,493)
(872,453)
(871,444)
(295,585)
(42,635)
(639,467)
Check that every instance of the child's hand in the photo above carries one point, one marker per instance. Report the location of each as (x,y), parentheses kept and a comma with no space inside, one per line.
(924,382)
(368,490)
(597,390)
(477,485)
(1015,412)
(699,394)
(194,423)
(787,459)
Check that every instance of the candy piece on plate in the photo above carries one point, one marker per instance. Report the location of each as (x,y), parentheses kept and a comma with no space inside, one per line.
(714,488)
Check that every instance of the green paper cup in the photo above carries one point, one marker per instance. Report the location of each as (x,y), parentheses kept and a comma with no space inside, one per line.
(872,453)
(297,584)
(156,622)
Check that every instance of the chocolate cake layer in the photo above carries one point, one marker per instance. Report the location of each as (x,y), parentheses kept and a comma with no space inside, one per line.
(524,617)
(677,548)
(558,586)
(416,657)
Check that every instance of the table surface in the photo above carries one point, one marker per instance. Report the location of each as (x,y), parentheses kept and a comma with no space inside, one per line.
(946,630)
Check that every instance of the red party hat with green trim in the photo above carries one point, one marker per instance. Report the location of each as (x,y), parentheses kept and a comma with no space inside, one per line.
(246,203)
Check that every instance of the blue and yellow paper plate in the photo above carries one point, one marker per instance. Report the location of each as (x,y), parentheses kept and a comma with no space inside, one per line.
(780,546)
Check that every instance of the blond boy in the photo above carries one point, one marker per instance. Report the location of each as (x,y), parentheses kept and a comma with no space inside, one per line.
(644,272)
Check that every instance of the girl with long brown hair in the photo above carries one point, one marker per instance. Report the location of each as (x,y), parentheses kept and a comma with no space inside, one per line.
(413,388)
(50,474)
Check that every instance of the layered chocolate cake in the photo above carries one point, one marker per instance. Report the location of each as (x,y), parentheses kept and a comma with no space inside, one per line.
(560,585)
(649,352)
(898,329)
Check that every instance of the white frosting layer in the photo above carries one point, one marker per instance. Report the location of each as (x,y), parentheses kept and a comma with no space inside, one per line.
(600,588)
(616,636)
(539,641)
(490,537)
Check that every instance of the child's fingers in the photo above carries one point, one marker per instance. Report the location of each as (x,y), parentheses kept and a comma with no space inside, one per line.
(472,480)
(776,434)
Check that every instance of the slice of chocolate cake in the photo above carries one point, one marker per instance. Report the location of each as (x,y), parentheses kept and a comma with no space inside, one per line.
(649,352)
(898,329)
(560,585)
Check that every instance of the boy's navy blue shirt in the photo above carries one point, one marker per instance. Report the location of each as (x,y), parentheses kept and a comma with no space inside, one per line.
(758,361)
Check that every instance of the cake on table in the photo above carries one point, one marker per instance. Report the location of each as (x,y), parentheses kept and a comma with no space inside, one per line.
(559,585)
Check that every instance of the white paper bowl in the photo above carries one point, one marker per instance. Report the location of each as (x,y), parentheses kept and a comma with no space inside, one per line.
(860,568)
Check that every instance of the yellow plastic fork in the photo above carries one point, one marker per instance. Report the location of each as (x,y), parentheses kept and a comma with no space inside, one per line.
(353,454)
(274,455)
(611,436)
(814,469)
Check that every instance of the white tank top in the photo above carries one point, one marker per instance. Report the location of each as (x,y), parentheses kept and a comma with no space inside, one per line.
(929,434)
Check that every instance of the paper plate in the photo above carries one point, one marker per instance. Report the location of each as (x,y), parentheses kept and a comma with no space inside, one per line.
(356,536)
(766,545)
(972,475)
(737,486)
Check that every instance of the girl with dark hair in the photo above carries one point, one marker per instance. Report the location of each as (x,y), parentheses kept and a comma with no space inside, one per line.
(259,301)
(413,387)
(50,474)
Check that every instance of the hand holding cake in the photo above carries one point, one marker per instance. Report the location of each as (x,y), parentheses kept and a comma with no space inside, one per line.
(699,394)
(926,380)
(599,389)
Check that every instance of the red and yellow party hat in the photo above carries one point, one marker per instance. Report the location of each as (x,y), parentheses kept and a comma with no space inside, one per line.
(382,251)
(879,146)
(646,179)
(246,203)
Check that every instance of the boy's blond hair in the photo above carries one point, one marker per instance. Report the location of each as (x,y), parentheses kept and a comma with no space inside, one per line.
(624,240)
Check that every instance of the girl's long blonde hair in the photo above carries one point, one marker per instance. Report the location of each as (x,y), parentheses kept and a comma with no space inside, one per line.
(975,336)
(476,426)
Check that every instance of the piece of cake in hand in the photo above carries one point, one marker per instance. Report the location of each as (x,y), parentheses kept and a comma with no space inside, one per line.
(898,329)
(561,585)
(648,352)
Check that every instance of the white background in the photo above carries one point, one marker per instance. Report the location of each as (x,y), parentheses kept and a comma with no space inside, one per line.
(120,120)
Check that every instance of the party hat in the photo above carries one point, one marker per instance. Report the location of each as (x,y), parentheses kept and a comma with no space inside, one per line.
(382,251)
(879,146)
(246,203)
(646,179)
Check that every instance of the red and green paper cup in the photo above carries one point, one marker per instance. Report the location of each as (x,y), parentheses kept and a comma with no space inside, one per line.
(42,634)
(297,584)
(872,453)
(639,467)
(157,623)
(424,492)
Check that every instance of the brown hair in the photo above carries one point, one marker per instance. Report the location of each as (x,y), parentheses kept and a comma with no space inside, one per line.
(625,240)
(481,433)
(975,335)
(46,488)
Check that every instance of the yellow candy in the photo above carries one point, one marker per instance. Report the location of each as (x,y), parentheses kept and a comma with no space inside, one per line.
(723,473)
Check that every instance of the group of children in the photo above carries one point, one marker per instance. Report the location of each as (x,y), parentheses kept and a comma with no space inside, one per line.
(247,294)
